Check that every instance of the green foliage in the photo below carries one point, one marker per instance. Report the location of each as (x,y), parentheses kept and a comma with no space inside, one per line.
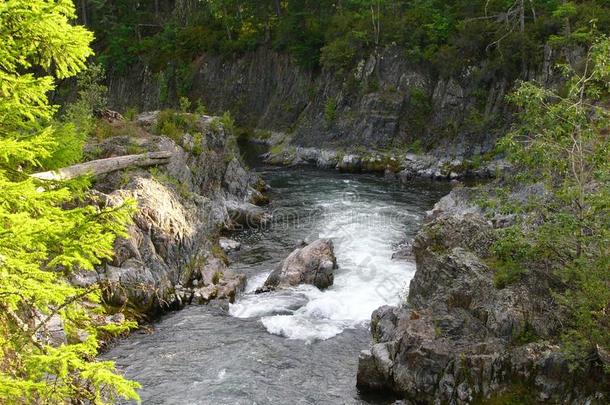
(168,180)
(131,113)
(104,129)
(347,37)
(185,104)
(446,36)
(330,110)
(197,144)
(561,143)
(78,120)
(48,231)
(219,253)
(175,124)
(526,335)
(228,122)
(518,394)
(419,110)
(277,149)
(416,147)
(200,108)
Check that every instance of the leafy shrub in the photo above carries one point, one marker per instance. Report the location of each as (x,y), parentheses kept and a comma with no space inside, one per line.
(168,180)
(185,104)
(174,124)
(200,108)
(330,110)
(228,122)
(561,142)
(197,144)
(131,113)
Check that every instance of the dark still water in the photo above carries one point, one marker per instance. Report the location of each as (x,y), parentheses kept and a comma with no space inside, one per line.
(297,346)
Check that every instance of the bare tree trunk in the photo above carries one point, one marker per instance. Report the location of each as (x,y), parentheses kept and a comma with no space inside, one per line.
(533,9)
(103,166)
(278,8)
(225,16)
(376,20)
(522,15)
(567,28)
(83,10)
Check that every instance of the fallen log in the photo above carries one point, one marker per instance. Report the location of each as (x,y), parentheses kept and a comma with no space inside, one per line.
(103,166)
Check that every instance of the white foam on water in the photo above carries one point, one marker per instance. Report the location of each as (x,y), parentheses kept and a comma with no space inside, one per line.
(301,328)
(282,301)
(256,281)
(364,233)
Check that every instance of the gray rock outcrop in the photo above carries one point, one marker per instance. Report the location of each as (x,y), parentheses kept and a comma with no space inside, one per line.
(167,258)
(312,264)
(459,339)
(404,167)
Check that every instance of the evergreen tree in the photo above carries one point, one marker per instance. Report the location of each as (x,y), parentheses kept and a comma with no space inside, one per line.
(46,229)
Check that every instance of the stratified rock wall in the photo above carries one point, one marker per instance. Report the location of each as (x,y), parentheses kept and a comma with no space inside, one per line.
(382,103)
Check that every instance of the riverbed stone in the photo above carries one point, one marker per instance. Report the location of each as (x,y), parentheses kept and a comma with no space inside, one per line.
(229,245)
(350,163)
(245,214)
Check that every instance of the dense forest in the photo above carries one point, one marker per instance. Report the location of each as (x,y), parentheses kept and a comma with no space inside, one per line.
(55,55)
(449,34)
(446,36)
(483,47)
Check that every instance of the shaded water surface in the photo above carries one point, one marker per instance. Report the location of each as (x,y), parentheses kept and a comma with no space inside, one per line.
(298,346)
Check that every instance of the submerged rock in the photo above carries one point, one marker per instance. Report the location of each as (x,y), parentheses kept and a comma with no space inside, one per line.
(311,264)
(247,214)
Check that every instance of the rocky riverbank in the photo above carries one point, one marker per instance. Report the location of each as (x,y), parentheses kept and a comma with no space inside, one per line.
(403,166)
(172,255)
(459,339)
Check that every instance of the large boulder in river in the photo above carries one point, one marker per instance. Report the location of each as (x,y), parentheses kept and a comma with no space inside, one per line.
(311,264)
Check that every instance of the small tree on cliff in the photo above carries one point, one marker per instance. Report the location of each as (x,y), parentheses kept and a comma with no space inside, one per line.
(42,236)
(563,142)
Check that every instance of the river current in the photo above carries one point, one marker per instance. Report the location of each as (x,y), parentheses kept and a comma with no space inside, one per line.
(297,346)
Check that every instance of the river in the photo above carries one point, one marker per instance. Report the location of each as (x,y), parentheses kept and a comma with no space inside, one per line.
(298,346)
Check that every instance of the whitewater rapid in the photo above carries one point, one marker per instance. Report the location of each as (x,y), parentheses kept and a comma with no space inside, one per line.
(365,226)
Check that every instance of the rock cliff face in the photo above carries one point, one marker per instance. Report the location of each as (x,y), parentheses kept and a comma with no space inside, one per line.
(384,103)
(172,255)
(459,339)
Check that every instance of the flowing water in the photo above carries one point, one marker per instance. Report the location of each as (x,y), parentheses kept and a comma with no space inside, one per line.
(297,346)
